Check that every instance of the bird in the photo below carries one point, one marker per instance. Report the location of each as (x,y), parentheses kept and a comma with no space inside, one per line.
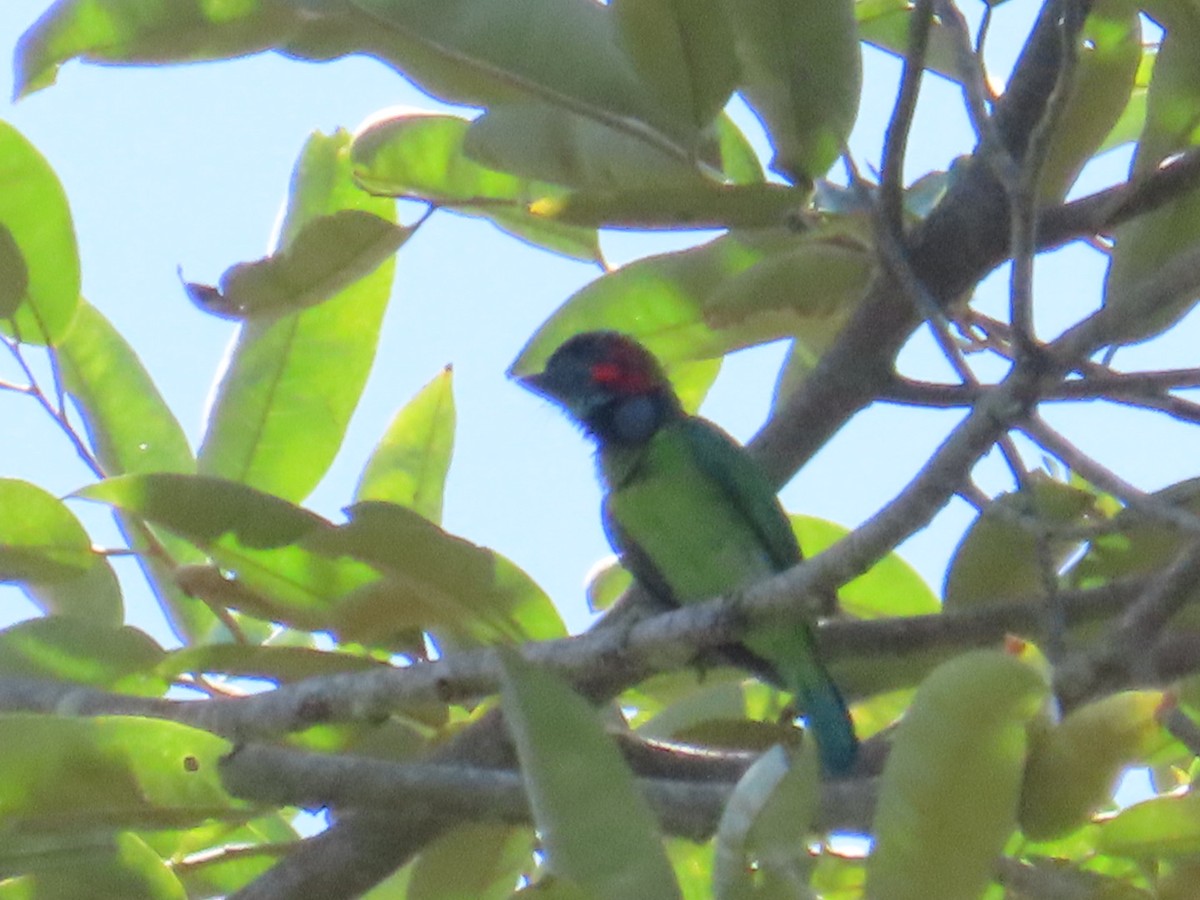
(690,514)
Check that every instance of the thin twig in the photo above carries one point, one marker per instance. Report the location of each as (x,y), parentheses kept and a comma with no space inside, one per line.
(58,414)
(969,66)
(895,140)
(1104,478)
(1024,191)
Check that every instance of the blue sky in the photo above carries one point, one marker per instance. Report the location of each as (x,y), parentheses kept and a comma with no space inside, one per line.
(187,166)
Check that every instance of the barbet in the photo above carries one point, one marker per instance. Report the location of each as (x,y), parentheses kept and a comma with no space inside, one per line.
(689,513)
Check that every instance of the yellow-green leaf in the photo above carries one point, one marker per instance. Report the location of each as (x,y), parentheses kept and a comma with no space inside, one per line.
(409,464)
(597,830)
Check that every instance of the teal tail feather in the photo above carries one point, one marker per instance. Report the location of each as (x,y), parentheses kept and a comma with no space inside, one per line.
(829,721)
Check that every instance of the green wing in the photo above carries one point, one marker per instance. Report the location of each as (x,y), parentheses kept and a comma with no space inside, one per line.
(727,464)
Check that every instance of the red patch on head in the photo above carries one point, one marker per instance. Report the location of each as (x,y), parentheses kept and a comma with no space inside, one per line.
(627,370)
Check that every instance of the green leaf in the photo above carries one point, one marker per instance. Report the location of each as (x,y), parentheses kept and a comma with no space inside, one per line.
(715,700)
(43,544)
(891,587)
(739,162)
(1109,52)
(279,664)
(114,783)
(421,157)
(95,595)
(801,73)
(607,581)
(60,648)
(262,540)
(129,425)
(1132,121)
(131,429)
(806,291)
(408,466)
(145,31)
(219,875)
(544,142)
(1075,765)
(1147,243)
(328,254)
(597,830)
(1141,545)
(40,258)
(658,300)
(1161,826)
(14,275)
(953,779)
(1007,554)
(566,52)
(284,401)
(433,580)
(477,859)
(127,868)
(701,204)
(763,830)
(885,24)
(205,509)
(683,50)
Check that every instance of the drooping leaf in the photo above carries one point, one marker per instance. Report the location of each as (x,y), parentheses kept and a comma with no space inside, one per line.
(1109,52)
(285,399)
(683,50)
(40,261)
(1148,243)
(421,156)
(409,464)
(1074,766)
(328,254)
(566,52)
(953,779)
(205,509)
(597,830)
(801,73)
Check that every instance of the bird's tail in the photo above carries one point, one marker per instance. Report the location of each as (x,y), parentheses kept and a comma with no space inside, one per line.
(792,655)
(828,719)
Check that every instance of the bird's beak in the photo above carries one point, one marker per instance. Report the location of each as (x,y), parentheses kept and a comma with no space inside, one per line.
(537,383)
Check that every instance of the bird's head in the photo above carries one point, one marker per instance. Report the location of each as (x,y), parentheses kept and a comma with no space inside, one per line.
(610,384)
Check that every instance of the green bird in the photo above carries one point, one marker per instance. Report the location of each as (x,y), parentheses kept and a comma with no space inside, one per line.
(689,513)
